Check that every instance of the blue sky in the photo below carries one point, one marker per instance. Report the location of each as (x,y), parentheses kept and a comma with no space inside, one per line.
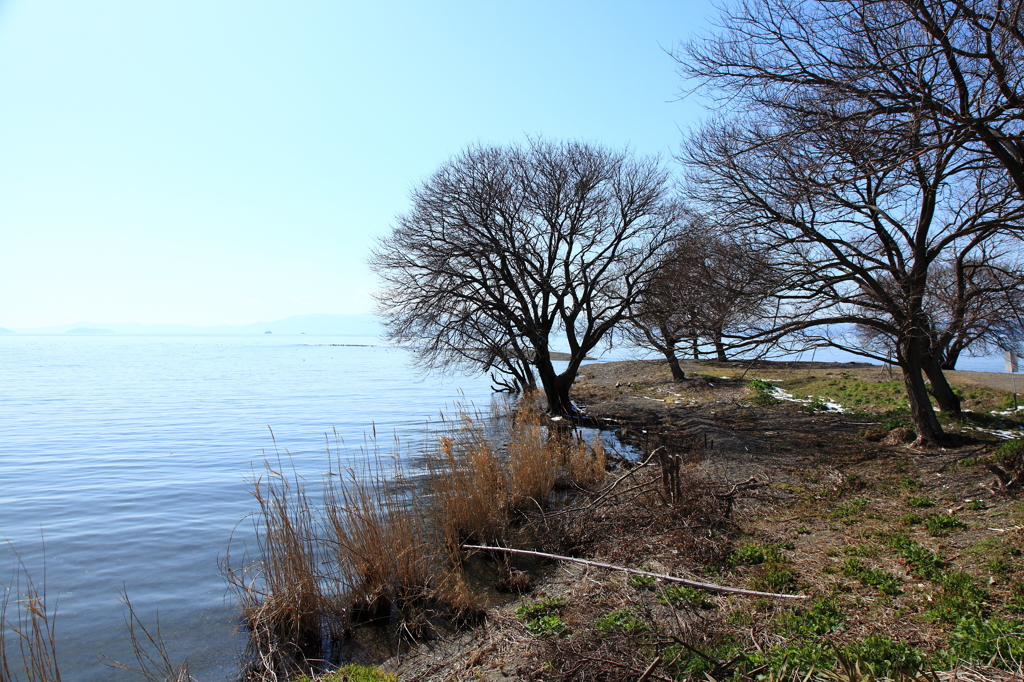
(228,162)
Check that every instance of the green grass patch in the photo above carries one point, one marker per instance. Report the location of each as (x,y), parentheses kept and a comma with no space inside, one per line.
(850,510)
(960,596)
(920,502)
(884,582)
(351,673)
(942,524)
(684,595)
(543,618)
(922,562)
(622,620)
(990,641)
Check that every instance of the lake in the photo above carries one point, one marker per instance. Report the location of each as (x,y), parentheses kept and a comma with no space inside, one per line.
(127,458)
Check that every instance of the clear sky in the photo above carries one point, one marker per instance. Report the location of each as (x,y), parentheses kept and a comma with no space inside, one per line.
(223,161)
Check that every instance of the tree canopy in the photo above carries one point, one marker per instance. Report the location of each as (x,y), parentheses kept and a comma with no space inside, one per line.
(510,253)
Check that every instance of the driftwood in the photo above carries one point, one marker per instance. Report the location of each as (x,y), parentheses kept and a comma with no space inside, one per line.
(691,583)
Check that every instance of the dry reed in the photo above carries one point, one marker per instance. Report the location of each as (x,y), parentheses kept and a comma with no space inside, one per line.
(26,617)
(283,599)
(376,535)
(386,548)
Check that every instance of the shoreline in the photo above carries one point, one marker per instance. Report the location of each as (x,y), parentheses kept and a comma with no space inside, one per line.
(815,484)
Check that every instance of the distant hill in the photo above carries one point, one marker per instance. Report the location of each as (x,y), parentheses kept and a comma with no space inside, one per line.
(5,331)
(89,330)
(318,324)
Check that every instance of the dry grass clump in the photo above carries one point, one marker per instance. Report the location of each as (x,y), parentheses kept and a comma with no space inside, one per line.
(385,547)
(469,486)
(379,544)
(284,602)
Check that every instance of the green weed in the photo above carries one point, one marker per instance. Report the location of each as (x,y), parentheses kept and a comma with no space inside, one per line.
(920,502)
(960,597)
(683,595)
(764,399)
(821,618)
(885,658)
(543,617)
(911,519)
(885,582)
(642,582)
(941,524)
(989,641)
(623,620)
(851,509)
(923,563)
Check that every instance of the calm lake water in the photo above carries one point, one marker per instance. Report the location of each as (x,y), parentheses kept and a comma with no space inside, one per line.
(126,458)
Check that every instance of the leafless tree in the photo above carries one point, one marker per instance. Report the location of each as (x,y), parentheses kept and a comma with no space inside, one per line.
(959,63)
(860,218)
(972,307)
(708,285)
(505,249)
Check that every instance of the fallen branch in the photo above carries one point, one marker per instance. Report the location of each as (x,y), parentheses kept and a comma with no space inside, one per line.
(691,583)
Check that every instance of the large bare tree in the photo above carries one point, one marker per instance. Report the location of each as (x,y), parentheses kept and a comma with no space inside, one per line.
(511,252)
(860,218)
(960,63)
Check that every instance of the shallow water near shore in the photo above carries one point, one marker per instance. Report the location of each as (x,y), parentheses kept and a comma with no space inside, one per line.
(126,457)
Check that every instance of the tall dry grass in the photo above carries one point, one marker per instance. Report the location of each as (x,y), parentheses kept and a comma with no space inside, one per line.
(27,642)
(289,610)
(376,534)
(385,546)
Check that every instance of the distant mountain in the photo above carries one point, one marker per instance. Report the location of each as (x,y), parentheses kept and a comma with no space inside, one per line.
(89,330)
(317,324)
(5,331)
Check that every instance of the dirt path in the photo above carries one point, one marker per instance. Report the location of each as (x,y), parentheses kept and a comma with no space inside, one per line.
(999,380)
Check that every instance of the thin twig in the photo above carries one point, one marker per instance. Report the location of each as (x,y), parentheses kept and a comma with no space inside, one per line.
(692,583)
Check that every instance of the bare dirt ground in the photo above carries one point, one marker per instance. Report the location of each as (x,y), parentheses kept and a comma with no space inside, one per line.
(779,500)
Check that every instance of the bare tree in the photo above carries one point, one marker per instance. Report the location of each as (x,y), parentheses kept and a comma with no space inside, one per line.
(972,307)
(959,63)
(506,249)
(708,286)
(860,218)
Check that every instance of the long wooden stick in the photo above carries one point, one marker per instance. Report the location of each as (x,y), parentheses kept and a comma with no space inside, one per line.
(703,586)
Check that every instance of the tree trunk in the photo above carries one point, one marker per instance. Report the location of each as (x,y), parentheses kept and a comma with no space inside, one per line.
(944,395)
(929,431)
(719,348)
(949,362)
(673,363)
(556,386)
(696,349)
